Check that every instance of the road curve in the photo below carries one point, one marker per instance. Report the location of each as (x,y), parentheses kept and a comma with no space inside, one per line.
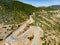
(36,36)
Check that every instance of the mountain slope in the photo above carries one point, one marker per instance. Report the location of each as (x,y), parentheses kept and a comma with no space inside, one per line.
(55,6)
(15,12)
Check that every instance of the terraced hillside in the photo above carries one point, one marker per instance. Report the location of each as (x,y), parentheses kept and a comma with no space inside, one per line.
(16,12)
(50,23)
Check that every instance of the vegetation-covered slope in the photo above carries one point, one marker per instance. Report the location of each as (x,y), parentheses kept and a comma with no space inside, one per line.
(46,8)
(15,11)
